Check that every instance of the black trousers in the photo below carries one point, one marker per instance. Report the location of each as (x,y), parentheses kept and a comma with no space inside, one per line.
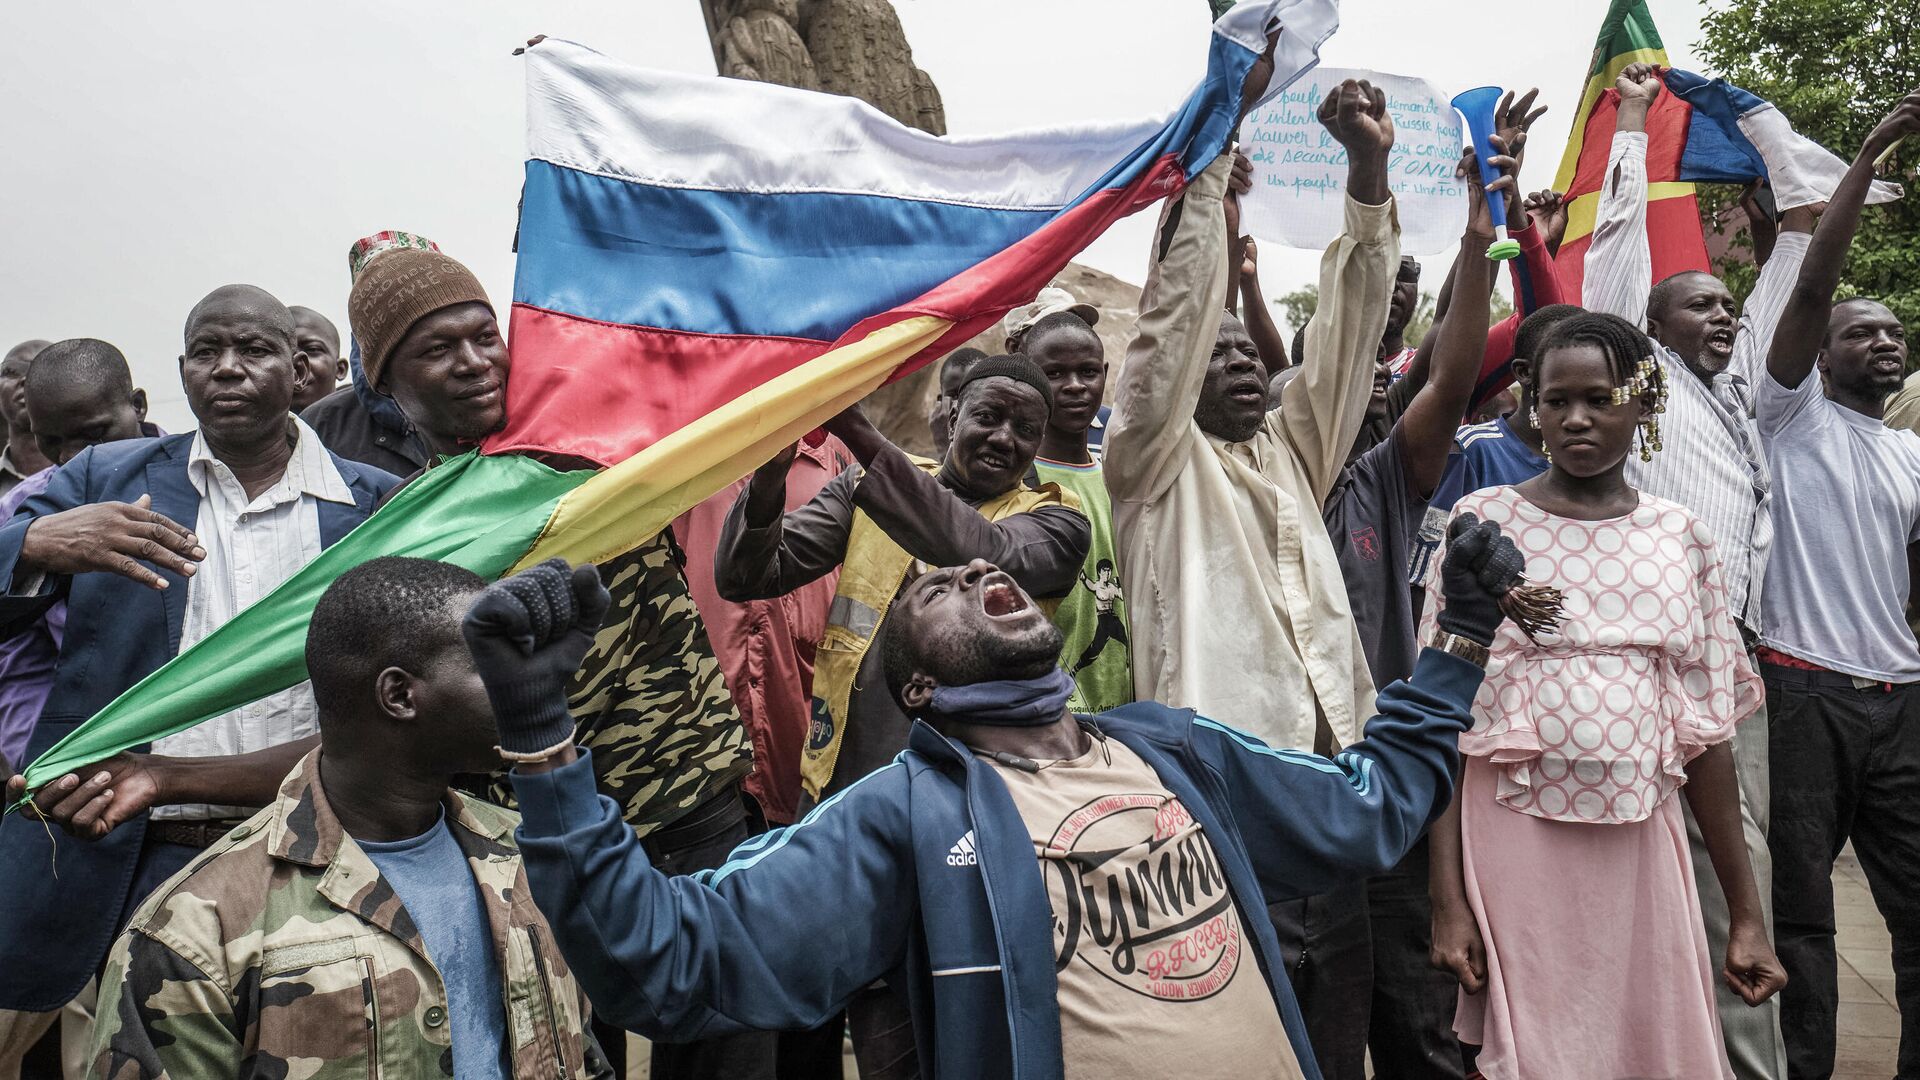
(881,1025)
(1328,948)
(700,840)
(1410,1031)
(1845,763)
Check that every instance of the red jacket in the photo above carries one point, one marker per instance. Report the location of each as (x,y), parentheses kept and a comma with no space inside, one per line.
(766,647)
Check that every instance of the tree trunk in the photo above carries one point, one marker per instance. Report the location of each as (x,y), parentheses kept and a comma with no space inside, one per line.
(851,47)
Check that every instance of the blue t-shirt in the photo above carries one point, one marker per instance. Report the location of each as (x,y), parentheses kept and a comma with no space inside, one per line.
(430,875)
(1484,455)
(1490,455)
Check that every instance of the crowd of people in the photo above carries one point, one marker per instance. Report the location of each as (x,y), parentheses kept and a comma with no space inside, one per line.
(1278,720)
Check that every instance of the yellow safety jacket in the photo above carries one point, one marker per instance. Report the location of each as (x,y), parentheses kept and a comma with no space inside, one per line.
(870,577)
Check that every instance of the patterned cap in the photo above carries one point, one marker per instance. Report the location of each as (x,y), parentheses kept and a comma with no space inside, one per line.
(398,279)
(365,248)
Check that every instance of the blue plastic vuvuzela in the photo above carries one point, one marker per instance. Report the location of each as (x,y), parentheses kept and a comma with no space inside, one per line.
(1476,107)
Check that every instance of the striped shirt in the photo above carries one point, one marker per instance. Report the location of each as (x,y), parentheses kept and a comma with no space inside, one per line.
(1711,461)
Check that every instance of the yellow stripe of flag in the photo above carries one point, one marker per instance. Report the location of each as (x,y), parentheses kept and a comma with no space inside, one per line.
(1582,211)
(626,504)
(1601,82)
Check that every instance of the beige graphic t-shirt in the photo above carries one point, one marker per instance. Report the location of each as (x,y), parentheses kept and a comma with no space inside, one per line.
(1157,974)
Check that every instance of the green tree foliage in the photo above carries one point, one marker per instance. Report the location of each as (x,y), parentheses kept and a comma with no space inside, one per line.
(1298,306)
(1835,68)
(1422,320)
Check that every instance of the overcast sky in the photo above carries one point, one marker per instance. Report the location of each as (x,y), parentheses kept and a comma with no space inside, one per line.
(157,151)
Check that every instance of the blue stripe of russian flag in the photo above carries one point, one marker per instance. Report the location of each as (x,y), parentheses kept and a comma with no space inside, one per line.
(1717,151)
(803,265)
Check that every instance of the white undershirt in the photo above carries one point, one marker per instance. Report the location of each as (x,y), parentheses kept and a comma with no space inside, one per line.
(252,546)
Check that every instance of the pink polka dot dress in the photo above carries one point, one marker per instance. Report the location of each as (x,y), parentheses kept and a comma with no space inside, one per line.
(1574,849)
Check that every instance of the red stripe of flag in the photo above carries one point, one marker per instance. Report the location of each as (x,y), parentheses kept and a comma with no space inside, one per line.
(657,381)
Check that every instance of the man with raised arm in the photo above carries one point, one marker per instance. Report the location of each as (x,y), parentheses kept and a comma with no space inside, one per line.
(1398,1003)
(1238,603)
(1710,461)
(985,870)
(1841,666)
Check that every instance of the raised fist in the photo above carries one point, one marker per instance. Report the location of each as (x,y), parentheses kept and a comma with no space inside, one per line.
(528,634)
(1481,566)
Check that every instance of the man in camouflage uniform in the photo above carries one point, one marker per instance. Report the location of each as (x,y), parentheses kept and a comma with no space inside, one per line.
(297,947)
(649,698)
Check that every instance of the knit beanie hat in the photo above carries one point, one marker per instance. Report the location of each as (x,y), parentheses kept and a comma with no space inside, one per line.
(398,279)
(1016,366)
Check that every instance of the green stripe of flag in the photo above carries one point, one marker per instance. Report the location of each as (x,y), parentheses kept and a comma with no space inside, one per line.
(478,512)
(1627,28)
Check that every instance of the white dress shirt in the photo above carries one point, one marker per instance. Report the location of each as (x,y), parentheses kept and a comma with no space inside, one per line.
(1711,461)
(1239,608)
(252,546)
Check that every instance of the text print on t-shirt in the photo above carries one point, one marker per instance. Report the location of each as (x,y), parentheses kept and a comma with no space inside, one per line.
(1139,896)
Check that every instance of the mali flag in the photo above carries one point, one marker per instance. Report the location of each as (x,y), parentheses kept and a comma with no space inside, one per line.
(708,269)
(1628,36)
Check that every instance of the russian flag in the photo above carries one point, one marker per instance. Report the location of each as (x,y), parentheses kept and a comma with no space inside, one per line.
(1734,137)
(687,241)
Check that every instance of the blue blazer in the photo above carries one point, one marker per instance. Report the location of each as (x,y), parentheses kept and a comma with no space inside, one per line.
(55,932)
(923,873)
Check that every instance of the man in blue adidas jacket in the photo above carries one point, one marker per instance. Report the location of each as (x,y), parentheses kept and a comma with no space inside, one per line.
(1055,894)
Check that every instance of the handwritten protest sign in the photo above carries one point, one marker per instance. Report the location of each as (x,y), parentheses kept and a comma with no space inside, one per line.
(1300,172)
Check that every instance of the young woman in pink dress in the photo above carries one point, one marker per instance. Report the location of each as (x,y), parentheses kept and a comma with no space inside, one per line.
(1563,895)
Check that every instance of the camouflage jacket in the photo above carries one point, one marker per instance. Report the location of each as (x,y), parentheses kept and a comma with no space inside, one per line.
(281,952)
(650,700)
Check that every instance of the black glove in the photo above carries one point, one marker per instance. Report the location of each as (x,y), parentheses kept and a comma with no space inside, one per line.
(528,634)
(1481,567)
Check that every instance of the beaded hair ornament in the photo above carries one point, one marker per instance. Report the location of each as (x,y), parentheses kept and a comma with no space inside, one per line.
(1646,381)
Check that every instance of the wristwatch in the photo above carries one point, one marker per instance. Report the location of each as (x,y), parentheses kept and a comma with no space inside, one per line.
(1463,647)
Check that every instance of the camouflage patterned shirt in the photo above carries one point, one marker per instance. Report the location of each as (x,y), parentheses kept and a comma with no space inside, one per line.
(280,951)
(650,700)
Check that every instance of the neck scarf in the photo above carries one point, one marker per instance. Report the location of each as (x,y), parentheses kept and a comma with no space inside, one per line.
(1004,702)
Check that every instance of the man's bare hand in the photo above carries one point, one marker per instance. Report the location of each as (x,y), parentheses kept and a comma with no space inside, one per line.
(1239,182)
(1457,947)
(112,793)
(1258,77)
(1249,259)
(1903,121)
(1639,85)
(1548,212)
(1479,219)
(1514,117)
(778,464)
(113,537)
(1355,113)
(852,427)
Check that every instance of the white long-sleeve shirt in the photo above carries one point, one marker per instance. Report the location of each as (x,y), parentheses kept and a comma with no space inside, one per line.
(1239,609)
(1712,461)
(252,546)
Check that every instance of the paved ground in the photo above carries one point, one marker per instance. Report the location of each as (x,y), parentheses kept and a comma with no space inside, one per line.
(1869,1022)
